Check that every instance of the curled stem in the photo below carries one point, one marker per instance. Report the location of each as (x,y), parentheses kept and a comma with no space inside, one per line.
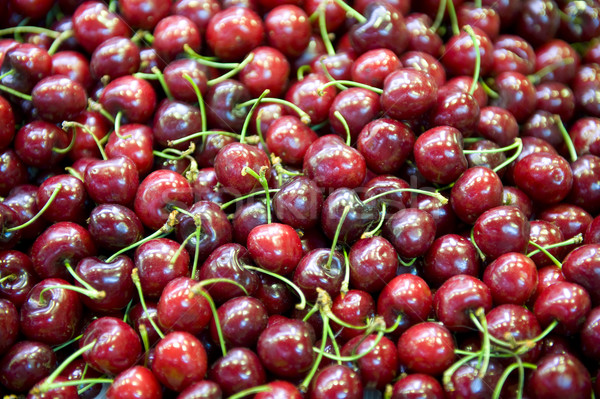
(41,211)
(512,158)
(138,285)
(299,306)
(336,236)
(566,138)
(265,185)
(443,200)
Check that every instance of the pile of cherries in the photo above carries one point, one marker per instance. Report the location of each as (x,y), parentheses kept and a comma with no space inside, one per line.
(300,199)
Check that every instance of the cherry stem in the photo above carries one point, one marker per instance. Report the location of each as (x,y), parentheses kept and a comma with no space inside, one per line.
(335,345)
(488,90)
(193,136)
(250,391)
(407,264)
(163,83)
(437,196)
(127,309)
(342,120)
(46,385)
(40,212)
(536,77)
(93,293)
(336,236)
(477,69)
(71,383)
(301,71)
(60,39)
(255,104)
(304,117)
(259,132)
(346,282)
(439,16)
(15,93)
(135,277)
(265,185)
(382,214)
(527,343)
(213,309)
(144,335)
(482,330)
(485,345)
(243,197)
(9,277)
(299,306)
(481,254)
(208,61)
(578,239)
(67,148)
(566,138)
(453,18)
(500,384)
(232,72)
(447,377)
(177,154)
(361,19)
(323,29)
(118,126)
(8,73)
(69,342)
(201,105)
(29,29)
(468,140)
(509,147)
(348,83)
(329,77)
(304,385)
(163,231)
(545,252)
(96,106)
(73,125)
(81,281)
(196,253)
(510,160)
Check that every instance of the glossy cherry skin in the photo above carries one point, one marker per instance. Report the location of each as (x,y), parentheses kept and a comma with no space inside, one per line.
(7,131)
(25,364)
(466,381)
(516,94)
(488,160)
(513,53)
(179,360)
(512,278)
(408,93)
(556,98)
(268,70)
(426,348)
(18,264)
(408,297)
(568,303)
(500,230)
(93,23)
(230,163)
(117,346)
(384,28)
(246,217)
(457,298)
(70,202)
(357,106)
(132,96)
(58,98)
(570,219)
(136,143)
(62,242)
(8,220)
(298,203)
(158,191)
(238,370)
(275,247)
(53,317)
(34,142)
(285,349)
(411,232)
(113,227)
(558,376)
(421,384)
(545,178)
(9,328)
(242,321)
(427,63)
(288,29)
(138,381)
(172,33)
(311,98)
(450,255)
(30,64)
(357,220)
(385,144)
(438,154)
(545,233)
(113,278)
(589,334)
(459,57)
(332,164)
(234,32)
(581,267)
(289,139)
(373,264)
(379,366)
(113,180)
(508,319)
(228,262)
(202,389)
(538,21)
(373,66)
(337,381)
(174,120)
(584,192)
(312,272)
(181,309)
(475,191)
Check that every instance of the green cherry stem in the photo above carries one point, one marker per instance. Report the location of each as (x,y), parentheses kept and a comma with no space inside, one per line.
(40,212)
(96,106)
(537,77)
(144,335)
(10,277)
(336,237)
(439,16)
(304,385)
(334,344)
(46,385)
(485,345)
(437,196)
(71,383)
(86,129)
(477,68)
(213,309)
(488,90)
(250,391)
(135,277)
(361,19)
(201,105)
(302,71)
(16,93)
(265,185)
(8,73)
(329,77)
(81,281)
(342,120)
(304,117)
(578,239)
(545,252)
(348,83)
(447,376)
(299,306)
(482,330)
(346,282)
(208,61)
(60,39)
(469,140)
(382,214)
(193,136)
(566,138)
(196,254)
(453,18)
(250,113)
(93,293)
(118,119)
(509,147)
(323,29)
(232,72)
(67,148)
(519,146)
(69,342)
(163,83)
(243,197)
(520,365)
(29,29)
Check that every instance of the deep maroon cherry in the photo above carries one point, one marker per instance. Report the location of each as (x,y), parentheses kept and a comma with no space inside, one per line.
(584,191)
(181,309)
(298,203)
(289,139)
(511,278)
(581,267)
(93,23)
(498,125)
(421,384)
(590,333)
(17,264)
(478,157)
(25,364)
(373,264)
(58,98)
(424,62)
(513,53)
(317,269)
(378,367)
(383,27)
(238,370)
(247,216)
(459,57)
(136,381)
(512,196)
(500,230)
(9,219)
(426,348)
(179,86)
(373,66)
(172,33)
(30,64)
(509,320)
(420,35)
(560,57)
(35,141)
(359,216)
(556,98)
(9,328)
(174,120)
(113,226)
(467,381)
(438,155)
(23,200)
(311,98)
(279,389)
(357,106)
(567,303)
(483,18)
(411,232)
(132,96)
(202,389)
(592,233)
(230,165)
(538,21)
(242,321)
(288,29)
(113,180)
(135,141)
(558,376)
(408,93)
(450,255)
(570,219)
(516,94)
(544,233)
(234,32)
(336,380)
(385,144)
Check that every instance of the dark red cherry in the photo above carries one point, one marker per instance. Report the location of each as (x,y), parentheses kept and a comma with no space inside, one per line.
(500,230)
(181,309)
(234,32)
(479,158)
(289,139)
(411,232)
(464,83)
(511,278)
(516,94)
(509,320)
(581,267)
(475,191)
(560,57)
(426,348)
(450,255)
(556,98)
(136,143)
(379,366)
(584,134)
(498,125)
(311,98)
(385,144)
(457,109)
(408,93)
(336,380)
(544,125)
(544,233)
(52,317)
(136,381)
(30,64)
(584,192)
(545,178)
(172,33)
(560,375)
(25,364)
(113,226)
(179,361)
(180,88)
(93,23)
(202,389)
(484,18)
(357,106)
(231,161)
(512,196)
(589,334)
(157,192)
(132,96)
(275,247)
(115,57)
(359,216)
(314,272)
(592,233)
(513,53)
(438,154)
(288,29)
(7,131)
(421,384)
(373,66)
(174,120)
(8,220)
(16,289)
(78,370)
(246,217)
(420,35)
(223,111)
(242,321)
(459,57)
(334,13)
(112,181)
(584,85)
(35,141)
(538,21)
(9,328)
(384,28)
(268,70)
(58,98)
(74,65)
(373,264)
(84,145)
(580,22)
(238,370)
(567,303)
(298,203)
(467,381)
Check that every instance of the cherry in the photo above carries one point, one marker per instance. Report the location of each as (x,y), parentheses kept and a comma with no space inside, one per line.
(172,33)
(25,363)
(242,321)
(334,13)
(7,131)
(459,57)
(320,268)
(332,164)
(464,84)
(544,125)
(179,360)
(93,23)
(475,191)
(543,234)
(115,57)
(77,370)
(484,18)
(14,171)
(112,181)
(420,35)
(450,255)
(458,298)
(583,133)
(551,306)
(382,190)
(584,84)
(35,142)
(589,335)
(231,163)
(17,264)
(438,154)
(583,192)
(411,232)
(174,120)
(559,375)
(379,362)
(357,106)
(467,381)
(247,217)
(137,380)
(285,349)
(373,264)
(516,94)
(289,139)
(406,297)
(275,247)
(274,295)
(426,348)
(311,98)
(382,27)
(288,29)
(538,21)
(9,220)
(53,90)
(269,69)
(592,232)
(238,370)
(179,87)
(142,320)
(513,54)
(337,380)
(9,328)
(457,109)
(511,278)
(478,156)
(113,226)
(202,389)
(580,266)
(135,142)
(93,124)
(356,220)
(570,219)
(234,32)
(498,125)
(421,384)
(159,191)
(372,67)
(61,243)
(180,309)
(408,93)
(500,230)
(134,97)
(51,316)
(560,57)
(30,64)
(580,23)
